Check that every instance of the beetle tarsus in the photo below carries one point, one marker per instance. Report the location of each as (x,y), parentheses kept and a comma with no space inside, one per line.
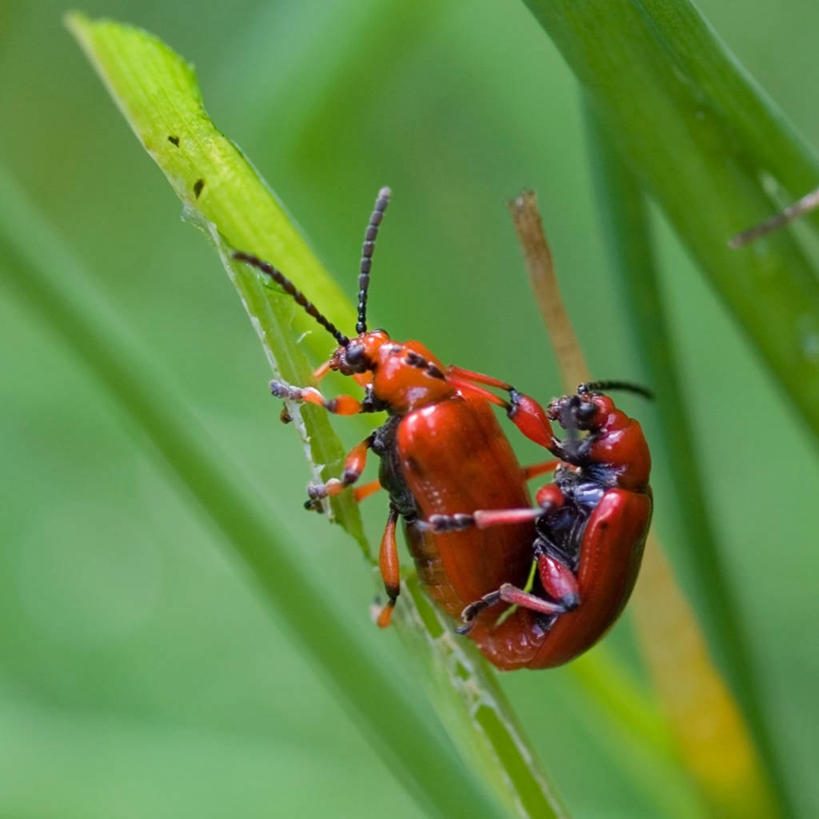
(469,614)
(281,389)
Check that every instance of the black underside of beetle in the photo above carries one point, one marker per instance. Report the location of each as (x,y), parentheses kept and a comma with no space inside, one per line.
(560,533)
(390,474)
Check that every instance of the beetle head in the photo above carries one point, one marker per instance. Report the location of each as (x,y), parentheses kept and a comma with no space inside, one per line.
(360,354)
(584,411)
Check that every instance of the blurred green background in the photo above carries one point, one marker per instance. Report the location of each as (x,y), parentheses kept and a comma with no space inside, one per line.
(140,674)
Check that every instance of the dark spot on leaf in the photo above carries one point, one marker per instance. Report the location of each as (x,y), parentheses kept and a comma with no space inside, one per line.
(197,187)
(174,139)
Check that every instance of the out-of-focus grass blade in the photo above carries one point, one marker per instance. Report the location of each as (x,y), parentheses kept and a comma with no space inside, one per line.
(222,193)
(38,272)
(157,92)
(712,736)
(472,704)
(714,740)
(764,133)
(722,758)
(707,146)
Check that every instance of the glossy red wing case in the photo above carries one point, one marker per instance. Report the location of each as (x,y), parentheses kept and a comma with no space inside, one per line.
(610,554)
(456,459)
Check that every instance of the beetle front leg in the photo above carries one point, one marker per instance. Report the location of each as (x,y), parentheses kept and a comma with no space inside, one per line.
(362,492)
(390,569)
(524,412)
(340,405)
(354,465)
(536,470)
(531,419)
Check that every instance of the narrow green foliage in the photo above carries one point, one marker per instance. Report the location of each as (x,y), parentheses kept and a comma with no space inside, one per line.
(38,273)
(221,192)
(626,227)
(474,709)
(708,148)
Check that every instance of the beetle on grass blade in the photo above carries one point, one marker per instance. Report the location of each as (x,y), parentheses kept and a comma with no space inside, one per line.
(590,533)
(453,479)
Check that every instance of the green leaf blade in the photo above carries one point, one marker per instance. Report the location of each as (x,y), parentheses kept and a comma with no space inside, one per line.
(732,789)
(689,149)
(158,94)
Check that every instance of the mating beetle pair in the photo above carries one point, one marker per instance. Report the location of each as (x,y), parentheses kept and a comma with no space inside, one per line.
(452,477)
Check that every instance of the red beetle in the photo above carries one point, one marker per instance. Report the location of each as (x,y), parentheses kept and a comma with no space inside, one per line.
(443,455)
(590,537)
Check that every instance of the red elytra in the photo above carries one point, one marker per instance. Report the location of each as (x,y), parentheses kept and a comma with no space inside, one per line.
(452,477)
(448,458)
(589,544)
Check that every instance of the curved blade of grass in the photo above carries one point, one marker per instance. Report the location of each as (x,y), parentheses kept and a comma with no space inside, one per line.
(222,194)
(157,93)
(39,272)
(706,145)
(722,758)
(624,702)
(472,704)
(693,45)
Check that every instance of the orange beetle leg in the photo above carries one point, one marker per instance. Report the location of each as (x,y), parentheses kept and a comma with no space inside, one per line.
(472,391)
(388,563)
(341,405)
(363,379)
(354,465)
(480,519)
(517,597)
(514,597)
(549,497)
(319,373)
(484,518)
(530,418)
(362,492)
(478,378)
(534,470)
(525,413)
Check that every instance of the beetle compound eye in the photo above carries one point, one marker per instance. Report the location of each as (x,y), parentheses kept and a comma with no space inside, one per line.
(355,358)
(354,353)
(585,412)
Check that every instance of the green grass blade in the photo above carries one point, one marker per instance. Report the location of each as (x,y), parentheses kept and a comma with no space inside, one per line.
(37,273)
(681,113)
(222,193)
(158,95)
(735,789)
(766,136)
(473,707)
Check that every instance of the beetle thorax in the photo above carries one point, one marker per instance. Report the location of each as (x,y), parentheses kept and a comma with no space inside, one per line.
(407,376)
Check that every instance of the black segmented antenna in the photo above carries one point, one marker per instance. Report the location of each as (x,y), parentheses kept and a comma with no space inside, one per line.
(381,202)
(297,295)
(605,386)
